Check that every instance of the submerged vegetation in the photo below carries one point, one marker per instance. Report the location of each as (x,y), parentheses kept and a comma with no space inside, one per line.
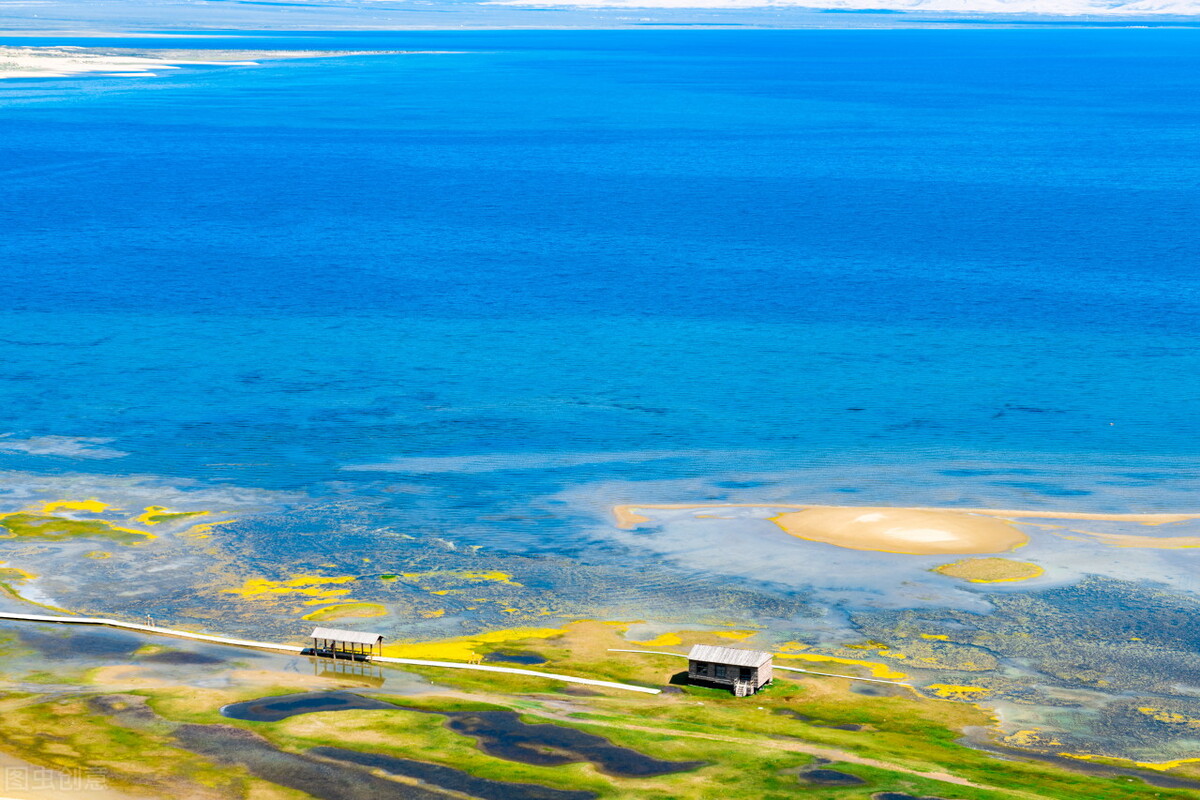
(990,570)
(56,528)
(347,610)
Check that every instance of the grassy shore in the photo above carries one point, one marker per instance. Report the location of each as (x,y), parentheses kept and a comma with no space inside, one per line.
(124,720)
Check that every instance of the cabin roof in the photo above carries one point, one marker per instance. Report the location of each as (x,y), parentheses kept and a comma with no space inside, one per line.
(355,637)
(728,655)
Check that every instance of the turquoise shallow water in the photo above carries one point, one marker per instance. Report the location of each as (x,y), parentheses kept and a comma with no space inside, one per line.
(430,312)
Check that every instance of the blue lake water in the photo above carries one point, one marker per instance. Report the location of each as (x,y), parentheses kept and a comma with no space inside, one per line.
(558,241)
(477,295)
(431,315)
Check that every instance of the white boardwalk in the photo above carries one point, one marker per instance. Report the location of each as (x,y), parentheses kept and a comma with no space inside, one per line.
(296,650)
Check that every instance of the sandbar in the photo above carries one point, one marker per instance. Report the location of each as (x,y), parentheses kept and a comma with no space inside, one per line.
(922,530)
(903,530)
(1146,542)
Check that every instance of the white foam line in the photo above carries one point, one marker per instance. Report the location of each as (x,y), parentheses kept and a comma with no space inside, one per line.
(290,648)
(774,666)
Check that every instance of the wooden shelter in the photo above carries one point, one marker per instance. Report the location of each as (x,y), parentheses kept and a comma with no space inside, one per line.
(354,645)
(744,672)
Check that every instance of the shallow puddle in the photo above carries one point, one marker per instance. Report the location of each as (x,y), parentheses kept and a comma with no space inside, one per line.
(502,734)
(841,726)
(273,709)
(526,657)
(181,657)
(334,773)
(450,778)
(75,643)
(321,779)
(829,777)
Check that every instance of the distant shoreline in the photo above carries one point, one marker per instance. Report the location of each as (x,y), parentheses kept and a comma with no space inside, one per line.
(50,61)
(614,17)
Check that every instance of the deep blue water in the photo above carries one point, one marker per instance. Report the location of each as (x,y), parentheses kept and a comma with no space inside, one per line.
(705,252)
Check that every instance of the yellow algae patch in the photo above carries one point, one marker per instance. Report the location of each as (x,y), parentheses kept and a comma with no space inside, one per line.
(463,649)
(13,574)
(940,637)
(345,610)
(93,505)
(1031,738)
(470,576)
(990,570)
(1170,717)
(99,555)
(883,649)
(156,515)
(25,524)
(877,670)
(899,530)
(1157,766)
(949,691)
(303,585)
(148,517)
(204,530)
(737,636)
(1163,766)
(665,640)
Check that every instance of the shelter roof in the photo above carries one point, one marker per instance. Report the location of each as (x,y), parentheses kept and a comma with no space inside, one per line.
(355,637)
(728,655)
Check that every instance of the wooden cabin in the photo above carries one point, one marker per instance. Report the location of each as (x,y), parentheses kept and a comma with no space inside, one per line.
(744,672)
(352,645)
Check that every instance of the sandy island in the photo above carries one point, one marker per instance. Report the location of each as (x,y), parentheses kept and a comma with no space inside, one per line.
(903,530)
(925,531)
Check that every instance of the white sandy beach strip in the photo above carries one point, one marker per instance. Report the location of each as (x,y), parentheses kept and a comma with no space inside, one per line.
(64,61)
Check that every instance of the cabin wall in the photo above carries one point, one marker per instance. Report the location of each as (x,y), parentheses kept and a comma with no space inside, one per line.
(765,675)
(709,673)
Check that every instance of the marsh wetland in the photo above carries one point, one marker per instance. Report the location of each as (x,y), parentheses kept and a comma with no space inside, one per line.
(226,723)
